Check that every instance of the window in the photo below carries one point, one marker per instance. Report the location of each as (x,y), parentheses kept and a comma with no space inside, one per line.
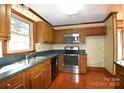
(21,35)
(119,35)
(0,48)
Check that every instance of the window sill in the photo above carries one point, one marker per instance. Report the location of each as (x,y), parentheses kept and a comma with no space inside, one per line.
(18,52)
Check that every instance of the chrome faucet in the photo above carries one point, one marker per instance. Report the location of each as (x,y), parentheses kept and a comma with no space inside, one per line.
(30,55)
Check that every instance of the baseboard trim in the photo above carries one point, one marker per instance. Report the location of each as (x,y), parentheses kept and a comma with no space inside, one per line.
(108,72)
(99,69)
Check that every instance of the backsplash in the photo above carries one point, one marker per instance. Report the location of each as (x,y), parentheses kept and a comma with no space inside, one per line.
(94,47)
(43,47)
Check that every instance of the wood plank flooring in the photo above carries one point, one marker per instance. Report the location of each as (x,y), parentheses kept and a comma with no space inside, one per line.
(94,79)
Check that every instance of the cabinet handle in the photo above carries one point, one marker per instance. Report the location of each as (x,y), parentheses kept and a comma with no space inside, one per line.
(23,85)
(8,85)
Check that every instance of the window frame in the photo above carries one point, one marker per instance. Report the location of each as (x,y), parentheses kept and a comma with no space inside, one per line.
(122,44)
(30,35)
(4,43)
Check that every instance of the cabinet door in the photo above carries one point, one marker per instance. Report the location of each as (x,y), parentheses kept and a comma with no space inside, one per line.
(47,76)
(83,64)
(5,14)
(2,19)
(82,36)
(39,32)
(37,81)
(19,86)
(60,63)
(50,35)
(16,82)
(96,31)
(59,37)
(43,32)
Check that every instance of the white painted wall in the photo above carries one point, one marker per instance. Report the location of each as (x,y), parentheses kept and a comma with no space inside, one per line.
(109,46)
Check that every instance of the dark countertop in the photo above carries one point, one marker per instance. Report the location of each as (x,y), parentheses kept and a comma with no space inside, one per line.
(9,71)
(120,63)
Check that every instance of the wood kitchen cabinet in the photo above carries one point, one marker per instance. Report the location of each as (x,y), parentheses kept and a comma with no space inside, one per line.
(17,82)
(59,37)
(47,75)
(82,35)
(83,32)
(96,31)
(41,75)
(120,75)
(44,32)
(5,16)
(37,80)
(83,64)
(60,63)
(38,77)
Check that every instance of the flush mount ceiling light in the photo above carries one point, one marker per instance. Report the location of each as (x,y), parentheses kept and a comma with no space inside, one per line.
(26,6)
(71,9)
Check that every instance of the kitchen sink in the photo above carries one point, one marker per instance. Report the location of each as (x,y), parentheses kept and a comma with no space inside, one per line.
(16,65)
(21,64)
(34,60)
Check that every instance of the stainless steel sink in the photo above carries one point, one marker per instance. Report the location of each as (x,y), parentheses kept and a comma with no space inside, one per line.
(17,65)
(21,64)
(34,60)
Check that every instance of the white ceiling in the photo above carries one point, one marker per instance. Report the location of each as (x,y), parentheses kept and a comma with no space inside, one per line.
(88,13)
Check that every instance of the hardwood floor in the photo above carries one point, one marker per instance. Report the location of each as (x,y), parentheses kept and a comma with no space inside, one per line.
(94,79)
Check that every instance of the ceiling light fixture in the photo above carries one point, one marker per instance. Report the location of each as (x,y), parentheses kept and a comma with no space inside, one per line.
(71,9)
(26,6)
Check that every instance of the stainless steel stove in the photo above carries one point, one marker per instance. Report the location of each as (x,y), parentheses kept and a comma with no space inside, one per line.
(71,59)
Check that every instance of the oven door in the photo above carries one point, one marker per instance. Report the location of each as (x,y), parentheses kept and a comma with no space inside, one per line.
(71,63)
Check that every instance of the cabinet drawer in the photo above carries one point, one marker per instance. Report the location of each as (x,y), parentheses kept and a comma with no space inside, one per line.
(13,82)
(120,72)
(83,59)
(38,68)
(119,69)
(83,70)
(83,66)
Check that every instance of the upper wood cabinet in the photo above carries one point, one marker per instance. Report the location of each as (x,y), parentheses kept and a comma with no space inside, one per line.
(44,32)
(83,32)
(5,16)
(96,31)
(58,37)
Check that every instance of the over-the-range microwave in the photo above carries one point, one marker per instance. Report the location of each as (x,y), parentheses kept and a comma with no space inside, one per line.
(71,38)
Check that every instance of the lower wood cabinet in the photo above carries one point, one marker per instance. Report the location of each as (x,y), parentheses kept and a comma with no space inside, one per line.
(120,75)
(38,77)
(60,63)
(41,75)
(37,81)
(83,64)
(47,76)
(16,82)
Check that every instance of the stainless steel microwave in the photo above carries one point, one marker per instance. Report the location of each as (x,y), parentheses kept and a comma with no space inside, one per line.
(71,38)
